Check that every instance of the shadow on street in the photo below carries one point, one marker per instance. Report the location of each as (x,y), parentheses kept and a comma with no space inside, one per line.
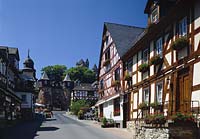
(24,129)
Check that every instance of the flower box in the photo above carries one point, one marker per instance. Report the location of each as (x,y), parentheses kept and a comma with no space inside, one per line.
(156,106)
(115,83)
(180,43)
(127,77)
(179,117)
(155,60)
(106,62)
(143,106)
(143,67)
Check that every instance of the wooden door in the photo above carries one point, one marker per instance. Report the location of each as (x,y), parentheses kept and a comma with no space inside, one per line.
(183,102)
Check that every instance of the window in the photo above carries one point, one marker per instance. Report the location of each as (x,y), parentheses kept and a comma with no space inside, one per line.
(117,74)
(129,65)
(107,38)
(159,92)
(154,15)
(117,107)
(145,56)
(159,46)
(146,95)
(101,84)
(107,54)
(183,27)
(24,99)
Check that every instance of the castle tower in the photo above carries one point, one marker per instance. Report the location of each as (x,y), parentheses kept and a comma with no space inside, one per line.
(68,85)
(45,95)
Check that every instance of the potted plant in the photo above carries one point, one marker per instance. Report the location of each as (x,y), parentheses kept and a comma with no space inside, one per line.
(180,43)
(143,106)
(127,76)
(155,60)
(104,122)
(80,115)
(115,83)
(106,62)
(143,67)
(159,119)
(156,105)
(179,118)
(148,119)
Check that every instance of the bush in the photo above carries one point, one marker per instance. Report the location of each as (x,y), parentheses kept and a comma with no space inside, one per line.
(80,114)
(77,105)
(104,121)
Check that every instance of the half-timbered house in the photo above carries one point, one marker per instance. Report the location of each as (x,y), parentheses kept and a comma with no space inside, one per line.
(116,41)
(165,60)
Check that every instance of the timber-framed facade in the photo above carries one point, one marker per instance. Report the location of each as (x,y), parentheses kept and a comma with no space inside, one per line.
(164,62)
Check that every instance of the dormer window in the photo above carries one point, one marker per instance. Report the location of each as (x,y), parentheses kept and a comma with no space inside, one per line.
(154,15)
(183,27)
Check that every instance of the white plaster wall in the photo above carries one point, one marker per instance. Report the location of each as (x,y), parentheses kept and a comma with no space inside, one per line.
(145,75)
(140,95)
(151,49)
(196,77)
(134,115)
(197,14)
(108,108)
(196,97)
(139,76)
(167,97)
(174,60)
(168,57)
(151,70)
(196,41)
(135,98)
(134,63)
(152,92)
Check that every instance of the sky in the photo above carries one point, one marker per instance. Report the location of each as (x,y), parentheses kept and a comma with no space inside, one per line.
(63,31)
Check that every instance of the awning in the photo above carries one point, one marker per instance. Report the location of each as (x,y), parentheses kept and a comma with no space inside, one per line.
(99,102)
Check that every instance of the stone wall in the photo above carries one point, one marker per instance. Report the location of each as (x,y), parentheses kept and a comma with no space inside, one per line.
(152,133)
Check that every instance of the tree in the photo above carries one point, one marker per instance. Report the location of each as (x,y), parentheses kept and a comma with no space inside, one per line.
(55,72)
(77,105)
(83,74)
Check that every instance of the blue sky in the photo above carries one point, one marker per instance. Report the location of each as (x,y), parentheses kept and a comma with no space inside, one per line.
(63,31)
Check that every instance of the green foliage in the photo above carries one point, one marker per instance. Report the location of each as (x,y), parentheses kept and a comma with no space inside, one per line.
(183,117)
(83,74)
(143,67)
(143,106)
(55,72)
(77,105)
(180,43)
(155,60)
(104,121)
(80,114)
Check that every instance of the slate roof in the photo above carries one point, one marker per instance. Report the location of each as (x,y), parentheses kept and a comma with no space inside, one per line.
(67,78)
(13,51)
(123,36)
(84,87)
(44,76)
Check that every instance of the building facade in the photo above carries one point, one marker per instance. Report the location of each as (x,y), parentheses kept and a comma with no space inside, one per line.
(164,61)
(116,41)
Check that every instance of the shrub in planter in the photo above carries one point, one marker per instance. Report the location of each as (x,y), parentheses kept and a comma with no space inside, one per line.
(106,62)
(179,117)
(81,115)
(180,43)
(156,105)
(143,106)
(143,67)
(148,119)
(159,119)
(155,60)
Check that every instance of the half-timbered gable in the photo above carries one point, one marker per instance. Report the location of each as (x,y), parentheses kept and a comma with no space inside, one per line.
(116,41)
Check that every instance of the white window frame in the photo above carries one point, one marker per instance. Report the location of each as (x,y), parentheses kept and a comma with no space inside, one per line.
(159,46)
(146,58)
(154,15)
(183,27)
(146,94)
(159,93)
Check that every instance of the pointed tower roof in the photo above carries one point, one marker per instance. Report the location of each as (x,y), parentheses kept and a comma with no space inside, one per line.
(67,78)
(44,76)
